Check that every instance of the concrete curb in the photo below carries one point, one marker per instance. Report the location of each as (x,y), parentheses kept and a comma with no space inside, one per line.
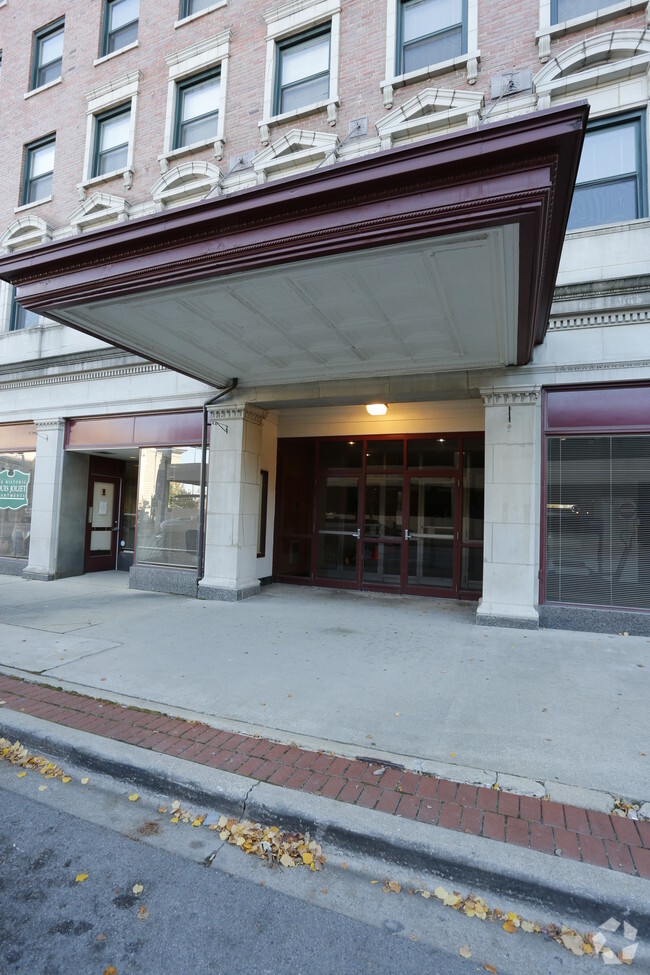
(569,889)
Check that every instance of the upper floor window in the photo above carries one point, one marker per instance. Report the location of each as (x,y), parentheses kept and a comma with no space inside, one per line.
(562,10)
(430,31)
(111,148)
(120,24)
(197,109)
(48,55)
(39,169)
(303,70)
(189,7)
(21,317)
(611,185)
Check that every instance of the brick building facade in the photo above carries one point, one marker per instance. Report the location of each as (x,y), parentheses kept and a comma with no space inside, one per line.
(232,227)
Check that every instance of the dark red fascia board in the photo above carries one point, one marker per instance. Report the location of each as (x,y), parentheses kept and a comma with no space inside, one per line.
(519,170)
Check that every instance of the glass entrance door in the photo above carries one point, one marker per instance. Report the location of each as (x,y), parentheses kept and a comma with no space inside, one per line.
(382,530)
(102,523)
(338,530)
(431,533)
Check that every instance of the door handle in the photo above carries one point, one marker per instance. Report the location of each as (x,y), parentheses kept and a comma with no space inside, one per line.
(406,535)
(357,533)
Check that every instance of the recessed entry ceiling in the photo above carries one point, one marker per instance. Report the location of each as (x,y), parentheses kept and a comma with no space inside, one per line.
(439,304)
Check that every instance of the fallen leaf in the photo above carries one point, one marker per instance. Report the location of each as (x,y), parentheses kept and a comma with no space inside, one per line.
(42,788)
(137,888)
(79,879)
(344,866)
(65,778)
(100,937)
(286,860)
(85,780)
(143,913)
(491,969)
(426,894)
(374,881)
(176,805)
(464,952)
(394,886)
(324,890)
(573,942)
(134,797)
(174,820)
(509,927)
(162,809)
(452,754)
(21,775)
(110,970)
(413,937)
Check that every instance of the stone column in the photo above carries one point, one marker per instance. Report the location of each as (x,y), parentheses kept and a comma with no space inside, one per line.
(233,499)
(46,500)
(513,439)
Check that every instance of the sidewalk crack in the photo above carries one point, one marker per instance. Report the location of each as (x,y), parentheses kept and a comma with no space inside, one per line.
(247,797)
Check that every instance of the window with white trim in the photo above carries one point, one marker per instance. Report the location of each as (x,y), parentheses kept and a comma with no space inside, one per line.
(190,7)
(302,61)
(39,170)
(196,92)
(611,185)
(110,131)
(111,149)
(197,109)
(426,38)
(430,31)
(303,70)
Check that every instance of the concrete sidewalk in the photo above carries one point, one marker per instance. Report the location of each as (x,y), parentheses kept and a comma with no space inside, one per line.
(407,679)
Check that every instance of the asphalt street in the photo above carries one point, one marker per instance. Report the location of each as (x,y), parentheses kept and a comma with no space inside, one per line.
(235,917)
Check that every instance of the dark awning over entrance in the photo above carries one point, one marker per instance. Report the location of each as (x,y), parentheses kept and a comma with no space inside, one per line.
(441,255)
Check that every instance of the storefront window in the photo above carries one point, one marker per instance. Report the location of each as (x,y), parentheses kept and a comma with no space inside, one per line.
(16,482)
(598,521)
(167,531)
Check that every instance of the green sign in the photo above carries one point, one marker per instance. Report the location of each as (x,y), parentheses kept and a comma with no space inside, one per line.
(13,489)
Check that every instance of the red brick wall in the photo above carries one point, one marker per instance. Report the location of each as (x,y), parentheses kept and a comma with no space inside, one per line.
(506,41)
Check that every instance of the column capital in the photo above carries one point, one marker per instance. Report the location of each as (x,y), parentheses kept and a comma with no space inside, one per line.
(511,395)
(55,423)
(222,414)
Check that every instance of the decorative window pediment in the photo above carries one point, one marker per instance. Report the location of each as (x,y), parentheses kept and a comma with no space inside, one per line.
(297,150)
(186,183)
(25,231)
(98,210)
(595,61)
(433,110)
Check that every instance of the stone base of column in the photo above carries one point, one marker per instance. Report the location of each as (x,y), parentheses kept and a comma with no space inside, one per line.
(40,575)
(514,617)
(212,590)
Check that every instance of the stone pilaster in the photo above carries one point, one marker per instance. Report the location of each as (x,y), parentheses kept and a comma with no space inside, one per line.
(512,507)
(233,495)
(46,499)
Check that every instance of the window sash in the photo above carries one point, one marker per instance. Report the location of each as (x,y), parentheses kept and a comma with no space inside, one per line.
(447,41)
(305,89)
(202,125)
(619,192)
(189,7)
(119,32)
(48,55)
(21,318)
(110,156)
(39,170)
(562,10)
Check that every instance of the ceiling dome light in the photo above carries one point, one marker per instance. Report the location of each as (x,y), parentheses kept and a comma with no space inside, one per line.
(377,409)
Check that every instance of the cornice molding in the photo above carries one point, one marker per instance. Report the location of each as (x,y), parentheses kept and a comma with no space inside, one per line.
(223,414)
(528,396)
(595,321)
(86,376)
(55,423)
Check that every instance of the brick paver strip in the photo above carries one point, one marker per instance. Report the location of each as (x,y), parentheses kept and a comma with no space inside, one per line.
(610,842)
